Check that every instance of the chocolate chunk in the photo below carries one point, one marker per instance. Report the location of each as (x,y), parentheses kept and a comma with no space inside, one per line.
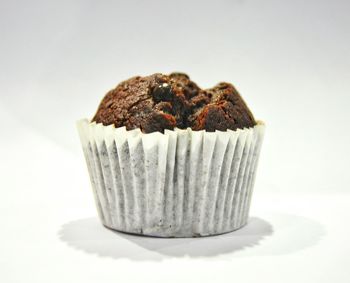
(162,92)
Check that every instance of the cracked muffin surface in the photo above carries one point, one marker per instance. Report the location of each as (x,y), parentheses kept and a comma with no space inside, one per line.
(158,102)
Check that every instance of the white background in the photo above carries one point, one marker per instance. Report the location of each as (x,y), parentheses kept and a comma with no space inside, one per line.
(289,59)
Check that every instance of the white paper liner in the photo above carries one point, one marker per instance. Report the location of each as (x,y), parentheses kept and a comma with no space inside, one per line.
(182,183)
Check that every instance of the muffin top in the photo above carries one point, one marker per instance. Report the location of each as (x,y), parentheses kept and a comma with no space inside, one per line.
(157,102)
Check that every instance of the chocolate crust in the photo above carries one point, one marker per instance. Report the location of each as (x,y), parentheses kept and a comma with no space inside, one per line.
(158,102)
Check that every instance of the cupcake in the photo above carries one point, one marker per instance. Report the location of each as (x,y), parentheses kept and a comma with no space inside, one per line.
(169,159)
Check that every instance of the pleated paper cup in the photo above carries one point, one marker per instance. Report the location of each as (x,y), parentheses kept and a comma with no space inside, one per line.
(182,183)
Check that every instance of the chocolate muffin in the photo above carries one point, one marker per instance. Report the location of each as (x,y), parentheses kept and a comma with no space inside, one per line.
(182,183)
(158,102)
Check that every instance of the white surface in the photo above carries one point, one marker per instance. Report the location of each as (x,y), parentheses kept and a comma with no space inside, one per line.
(50,233)
(289,59)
